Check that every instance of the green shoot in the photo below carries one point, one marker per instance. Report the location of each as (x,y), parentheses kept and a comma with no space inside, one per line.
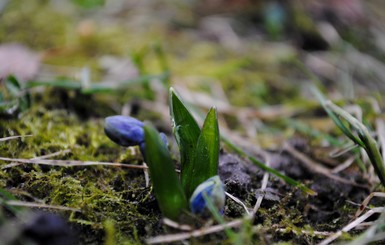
(186,131)
(167,188)
(364,139)
(199,149)
(205,160)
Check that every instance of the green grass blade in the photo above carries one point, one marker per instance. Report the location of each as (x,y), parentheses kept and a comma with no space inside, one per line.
(205,160)
(365,139)
(12,85)
(167,188)
(374,154)
(60,83)
(186,131)
(335,118)
(6,196)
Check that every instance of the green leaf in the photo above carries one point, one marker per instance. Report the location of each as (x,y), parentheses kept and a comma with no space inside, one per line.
(6,196)
(205,160)
(60,83)
(88,4)
(167,188)
(186,131)
(21,99)
(335,118)
(13,86)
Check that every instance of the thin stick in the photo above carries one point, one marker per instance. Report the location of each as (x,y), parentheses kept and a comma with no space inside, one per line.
(237,200)
(14,164)
(40,205)
(343,166)
(71,163)
(15,137)
(265,180)
(58,153)
(351,225)
(306,232)
(317,168)
(195,233)
(339,152)
(173,224)
(365,203)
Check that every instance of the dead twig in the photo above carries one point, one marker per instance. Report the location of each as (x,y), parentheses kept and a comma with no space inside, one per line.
(173,224)
(58,153)
(351,225)
(343,166)
(237,200)
(365,203)
(195,233)
(40,205)
(265,180)
(317,168)
(70,163)
(15,137)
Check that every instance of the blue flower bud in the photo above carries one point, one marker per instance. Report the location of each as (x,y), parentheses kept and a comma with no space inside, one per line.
(214,190)
(124,130)
(127,131)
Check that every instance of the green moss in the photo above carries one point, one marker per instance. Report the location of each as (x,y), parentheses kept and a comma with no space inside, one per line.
(100,192)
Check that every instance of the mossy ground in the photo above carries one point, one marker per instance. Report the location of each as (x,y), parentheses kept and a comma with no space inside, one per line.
(264,77)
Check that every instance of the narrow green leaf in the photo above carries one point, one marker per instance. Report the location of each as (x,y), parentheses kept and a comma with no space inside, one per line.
(60,83)
(6,196)
(13,86)
(343,128)
(335,118)
(364,139)
(205,160)
(371,148)
(186,131)
(167,188)
(89,4)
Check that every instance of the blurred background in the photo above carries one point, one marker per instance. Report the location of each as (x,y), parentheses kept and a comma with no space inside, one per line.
(235,53)
(65,65)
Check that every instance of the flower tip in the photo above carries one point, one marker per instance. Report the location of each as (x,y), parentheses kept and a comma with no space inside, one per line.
(124,130)
(210,190)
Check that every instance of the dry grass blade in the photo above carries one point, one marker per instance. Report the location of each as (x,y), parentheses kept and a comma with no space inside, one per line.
(173,224)
(237,200)
(58,153)
(365,203)
(40,205)
(343,166)
(195,233)
(305,232)
(15,137)
(351,225)
(265,181)
(317,168)
(70,163)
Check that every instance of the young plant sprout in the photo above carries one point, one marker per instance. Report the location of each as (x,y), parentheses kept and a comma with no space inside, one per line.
(199,151)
